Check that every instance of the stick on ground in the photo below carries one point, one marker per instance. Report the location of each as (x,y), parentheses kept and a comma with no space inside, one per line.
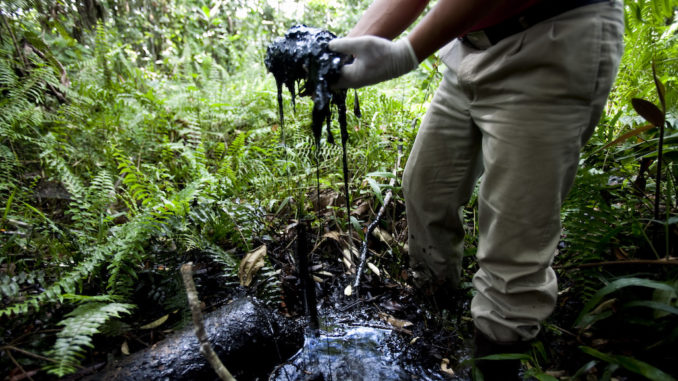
(196,312)
(373,225)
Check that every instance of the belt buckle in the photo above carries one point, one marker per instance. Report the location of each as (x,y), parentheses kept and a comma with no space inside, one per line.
(478,39)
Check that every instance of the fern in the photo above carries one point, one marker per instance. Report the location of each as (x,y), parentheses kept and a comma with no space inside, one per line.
(231,162)
(64,285)
(76,336)
(8,169)
(140,188)
(594,220)
(270,287)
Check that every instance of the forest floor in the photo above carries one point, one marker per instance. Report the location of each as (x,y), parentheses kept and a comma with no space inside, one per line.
(426,339)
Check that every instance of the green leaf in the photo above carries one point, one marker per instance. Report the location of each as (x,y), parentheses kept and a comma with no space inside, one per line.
(8,205)
(376,189)
(387,175)
(81,324)
(662,309)
(630,364)
(615,286)
(544,377)
(506,356)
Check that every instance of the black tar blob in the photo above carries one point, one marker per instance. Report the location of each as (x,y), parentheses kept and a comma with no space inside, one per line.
(302,59)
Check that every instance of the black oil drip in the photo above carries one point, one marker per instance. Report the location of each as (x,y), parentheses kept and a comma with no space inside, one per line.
(302,57)
(302,60)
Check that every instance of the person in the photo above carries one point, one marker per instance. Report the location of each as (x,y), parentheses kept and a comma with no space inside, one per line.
(526,83)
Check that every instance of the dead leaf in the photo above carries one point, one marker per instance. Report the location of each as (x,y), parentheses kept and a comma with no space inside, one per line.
(620,254)
(382,235)
(347,263)
(374,269)
(445,367)
(251,264)
(649,111)
(629,134)
(355,252)
(414,340)
(124,348)
(155,323)
(556,373)
(335,235)
(398,323)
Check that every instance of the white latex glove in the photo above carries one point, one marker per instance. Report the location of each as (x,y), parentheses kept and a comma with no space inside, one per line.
(376,60)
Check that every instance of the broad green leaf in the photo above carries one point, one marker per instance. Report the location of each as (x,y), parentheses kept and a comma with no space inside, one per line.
(387,175)
(376,189)
(659,306)
(584,369)
(614,286)
(630,364)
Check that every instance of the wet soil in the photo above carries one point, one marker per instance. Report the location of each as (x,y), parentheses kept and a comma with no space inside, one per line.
(387,331)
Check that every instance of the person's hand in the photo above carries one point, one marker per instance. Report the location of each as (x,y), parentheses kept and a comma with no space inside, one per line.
(376,60)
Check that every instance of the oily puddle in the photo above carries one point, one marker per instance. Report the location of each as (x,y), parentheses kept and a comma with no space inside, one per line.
(350,351)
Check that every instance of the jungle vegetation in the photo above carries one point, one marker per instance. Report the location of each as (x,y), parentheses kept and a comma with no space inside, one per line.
(136,135)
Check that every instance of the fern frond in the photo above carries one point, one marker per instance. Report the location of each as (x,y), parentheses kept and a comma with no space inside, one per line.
(8,166)
(102,189)
(270,287)
(65,285)
(76,336)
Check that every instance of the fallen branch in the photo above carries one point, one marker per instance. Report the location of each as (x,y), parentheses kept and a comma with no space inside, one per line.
(375,222)
(24,374)
(196,312)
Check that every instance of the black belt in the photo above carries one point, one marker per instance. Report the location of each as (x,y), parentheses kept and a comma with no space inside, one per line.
(484,38)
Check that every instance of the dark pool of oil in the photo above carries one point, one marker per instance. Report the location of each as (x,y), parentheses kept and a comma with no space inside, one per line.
(367,352)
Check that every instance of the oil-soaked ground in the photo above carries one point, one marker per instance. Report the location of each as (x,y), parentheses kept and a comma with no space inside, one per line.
(386,331)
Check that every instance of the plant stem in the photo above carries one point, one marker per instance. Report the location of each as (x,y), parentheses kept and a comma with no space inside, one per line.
(16,363)
(657,191)
(27,353)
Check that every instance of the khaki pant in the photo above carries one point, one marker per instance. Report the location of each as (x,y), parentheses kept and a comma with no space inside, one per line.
(518,113)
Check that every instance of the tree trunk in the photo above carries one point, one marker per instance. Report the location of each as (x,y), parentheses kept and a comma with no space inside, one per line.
(247,336)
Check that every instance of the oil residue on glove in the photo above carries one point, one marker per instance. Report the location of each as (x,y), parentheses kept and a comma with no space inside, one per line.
(301,59)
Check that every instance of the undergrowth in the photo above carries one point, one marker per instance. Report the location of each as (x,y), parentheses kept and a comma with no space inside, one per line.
(123,154)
